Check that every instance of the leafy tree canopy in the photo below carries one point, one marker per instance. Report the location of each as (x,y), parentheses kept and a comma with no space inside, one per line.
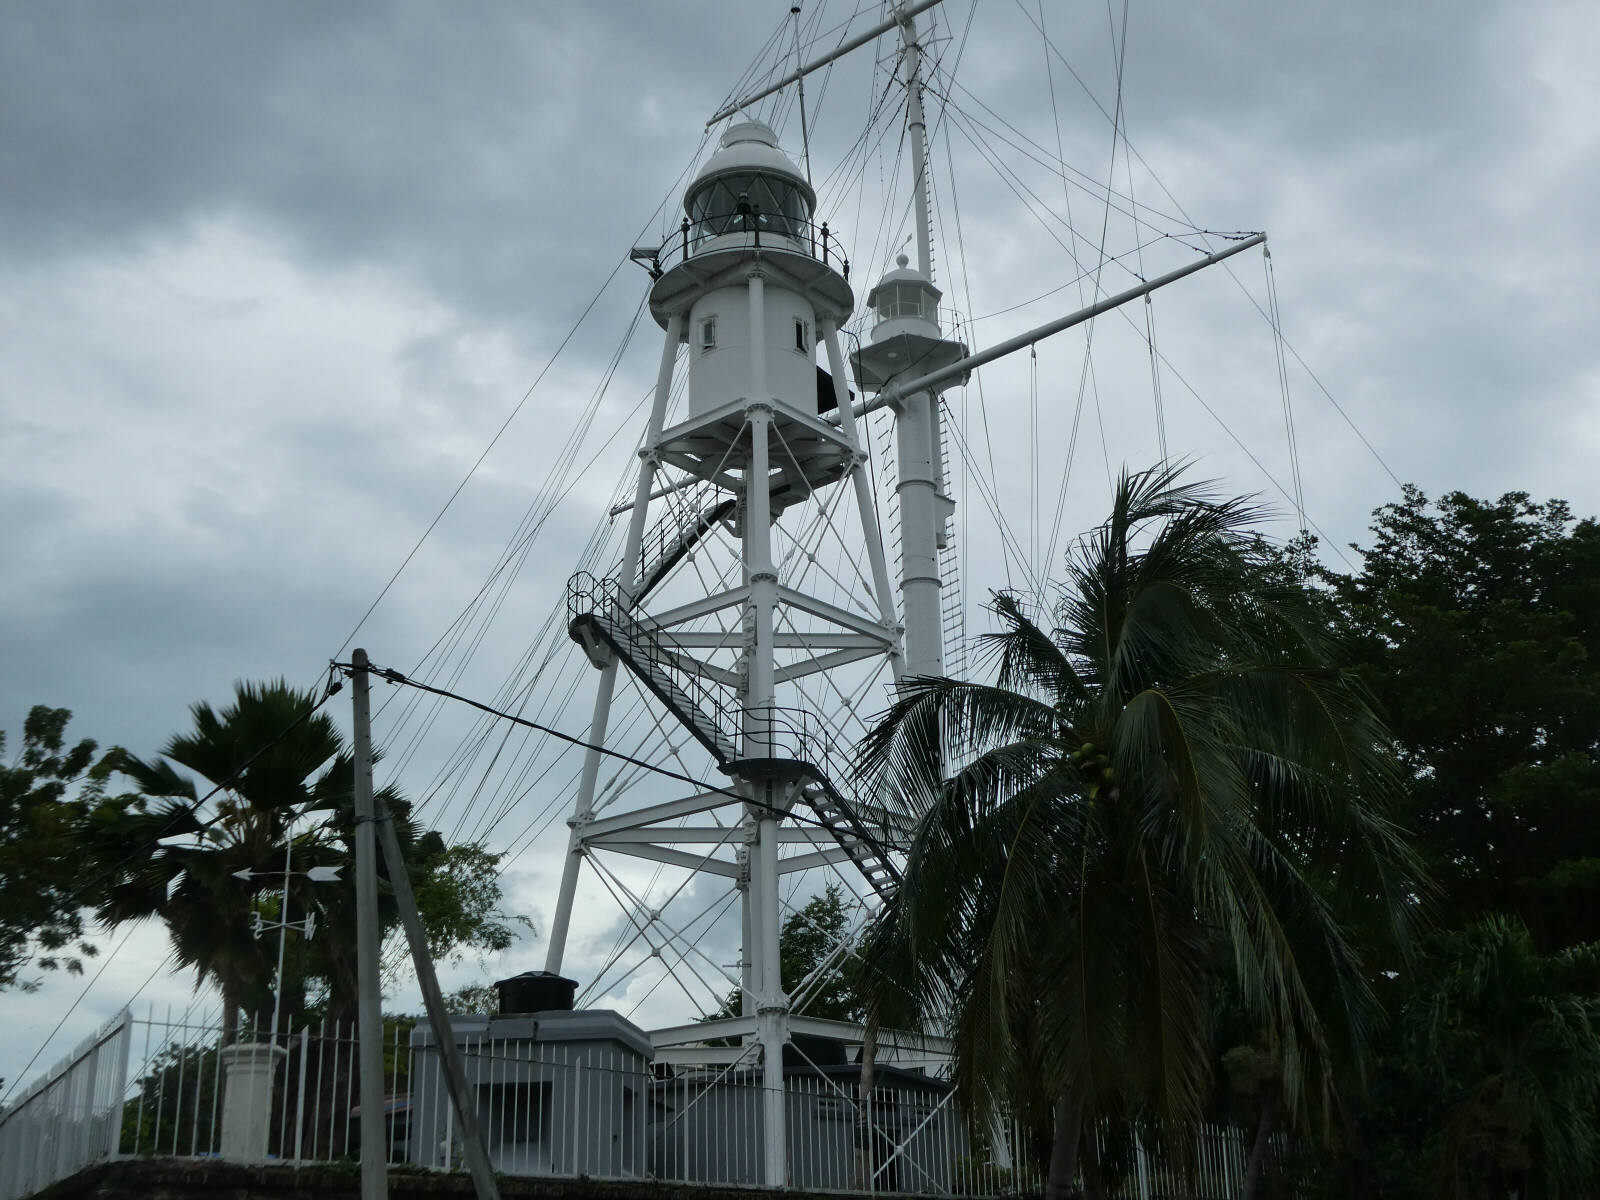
(45,794)
(1477,626)
(1155,796)
(279,769)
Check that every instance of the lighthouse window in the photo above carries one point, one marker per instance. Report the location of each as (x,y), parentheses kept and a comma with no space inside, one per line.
(802,342)
(708,334)
(774,205)
(900,302)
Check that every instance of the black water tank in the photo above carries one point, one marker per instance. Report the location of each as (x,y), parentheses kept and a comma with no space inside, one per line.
(535,992)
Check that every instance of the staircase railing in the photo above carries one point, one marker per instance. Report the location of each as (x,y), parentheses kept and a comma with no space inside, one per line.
(666,542)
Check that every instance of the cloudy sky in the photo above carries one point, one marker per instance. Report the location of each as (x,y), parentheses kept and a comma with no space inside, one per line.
(277,274)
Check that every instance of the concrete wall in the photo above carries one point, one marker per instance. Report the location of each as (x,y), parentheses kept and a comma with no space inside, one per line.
(558,1093)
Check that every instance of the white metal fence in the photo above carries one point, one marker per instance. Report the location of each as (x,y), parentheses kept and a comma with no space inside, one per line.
(70,1117)
(553,1110)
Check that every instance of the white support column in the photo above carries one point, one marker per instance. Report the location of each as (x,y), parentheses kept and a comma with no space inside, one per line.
(649,463)
(919,549)
(247,1072)
(772,1018)
(748,1000)
(876,559)
(917,425)
(758,338)
(583,809)
(917,125)
(772,1010)
(582,812)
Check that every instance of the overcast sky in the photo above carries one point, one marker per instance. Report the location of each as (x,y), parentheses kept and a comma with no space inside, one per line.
(276,273)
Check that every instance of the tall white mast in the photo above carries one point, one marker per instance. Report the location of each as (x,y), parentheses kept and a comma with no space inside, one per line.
(907,337)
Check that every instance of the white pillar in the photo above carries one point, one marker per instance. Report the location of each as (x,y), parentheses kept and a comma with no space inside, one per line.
(582,812)
(758,338)
(748,1001)
(877,562)
(772,1012)
(919,549)
(247,1072)
(773,1015)
(917,425)
(917,125)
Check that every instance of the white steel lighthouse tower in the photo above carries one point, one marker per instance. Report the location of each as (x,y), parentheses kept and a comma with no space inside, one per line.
(739,652)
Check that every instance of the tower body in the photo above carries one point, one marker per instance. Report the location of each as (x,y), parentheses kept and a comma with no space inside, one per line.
(736,651)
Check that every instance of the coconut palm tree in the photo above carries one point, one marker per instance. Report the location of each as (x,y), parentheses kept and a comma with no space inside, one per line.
(1153,798)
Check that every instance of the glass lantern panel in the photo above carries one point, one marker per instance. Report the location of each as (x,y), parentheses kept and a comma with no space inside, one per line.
(777,205)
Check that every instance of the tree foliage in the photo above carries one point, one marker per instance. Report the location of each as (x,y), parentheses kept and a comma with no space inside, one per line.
(46,792)
(1478,629)
(815,950)
(1476,624)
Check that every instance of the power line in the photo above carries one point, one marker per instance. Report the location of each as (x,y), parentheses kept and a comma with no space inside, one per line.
(396,677)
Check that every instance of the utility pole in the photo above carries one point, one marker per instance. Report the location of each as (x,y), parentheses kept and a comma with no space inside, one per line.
(465,1104)
(369,1017)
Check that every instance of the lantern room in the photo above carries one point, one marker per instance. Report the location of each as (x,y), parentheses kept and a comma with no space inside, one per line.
(905,340)
(749,186)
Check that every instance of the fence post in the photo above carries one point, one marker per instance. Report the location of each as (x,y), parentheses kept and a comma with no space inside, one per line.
(120,1080)
(248,1068)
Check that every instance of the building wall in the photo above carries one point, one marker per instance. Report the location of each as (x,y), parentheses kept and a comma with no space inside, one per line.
(547,1103)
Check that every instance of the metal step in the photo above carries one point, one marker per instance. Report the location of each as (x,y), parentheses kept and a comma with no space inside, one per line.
(839,818)
(639,653)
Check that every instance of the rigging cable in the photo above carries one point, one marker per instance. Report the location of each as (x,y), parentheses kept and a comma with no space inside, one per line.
(1227,267)
(1133,206)
(800,86)
(1283,384)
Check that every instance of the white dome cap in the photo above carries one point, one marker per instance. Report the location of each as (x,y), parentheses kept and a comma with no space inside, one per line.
(751,146)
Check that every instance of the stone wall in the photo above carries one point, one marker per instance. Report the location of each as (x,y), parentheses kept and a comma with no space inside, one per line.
(192,1179)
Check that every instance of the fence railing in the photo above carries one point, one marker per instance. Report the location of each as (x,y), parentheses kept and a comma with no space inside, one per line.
(70,1117)
(156,1087)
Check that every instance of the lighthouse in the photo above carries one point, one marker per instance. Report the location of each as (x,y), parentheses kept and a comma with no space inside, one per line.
(750,294)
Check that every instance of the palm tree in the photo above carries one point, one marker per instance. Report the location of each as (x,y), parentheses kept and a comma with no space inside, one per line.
(1153,798)
(285,770)
(276,763)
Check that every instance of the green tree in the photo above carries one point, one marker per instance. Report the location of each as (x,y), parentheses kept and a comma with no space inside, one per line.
(1476,624)
(269,763)
(1155,797)
(1477,628)
(818,964)
(45,795)
(1486,1089)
